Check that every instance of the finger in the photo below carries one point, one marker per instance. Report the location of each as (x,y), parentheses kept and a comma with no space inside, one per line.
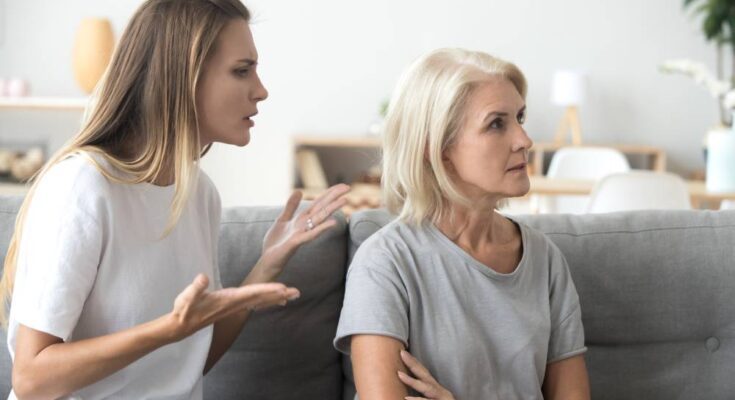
(416,384)
(310,235)
(323,214)
(266,294)
(417,369)
(195,288)
(329,196)
(291,205)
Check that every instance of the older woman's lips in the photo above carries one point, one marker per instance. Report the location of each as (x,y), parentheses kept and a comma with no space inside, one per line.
(517,168)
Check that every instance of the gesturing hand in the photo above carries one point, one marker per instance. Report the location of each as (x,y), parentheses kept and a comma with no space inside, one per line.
(195,307)
(291,231)
(423,382)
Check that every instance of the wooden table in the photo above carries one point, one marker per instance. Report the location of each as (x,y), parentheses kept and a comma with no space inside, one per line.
(655,155)
(699,195)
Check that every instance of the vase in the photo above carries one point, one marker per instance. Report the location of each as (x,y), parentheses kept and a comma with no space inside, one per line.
(93,48)
(720,160)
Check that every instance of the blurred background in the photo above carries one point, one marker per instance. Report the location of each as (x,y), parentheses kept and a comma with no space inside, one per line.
(329,66)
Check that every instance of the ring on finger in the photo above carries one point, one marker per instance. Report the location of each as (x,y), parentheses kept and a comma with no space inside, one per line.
(309,224)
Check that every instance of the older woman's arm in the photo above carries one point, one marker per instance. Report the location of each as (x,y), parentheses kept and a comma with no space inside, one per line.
(376,361)
(567,379)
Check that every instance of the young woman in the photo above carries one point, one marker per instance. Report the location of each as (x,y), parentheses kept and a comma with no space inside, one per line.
(113,263)
(485,304)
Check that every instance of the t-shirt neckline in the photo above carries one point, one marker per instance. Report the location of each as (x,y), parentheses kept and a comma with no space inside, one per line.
(474,263)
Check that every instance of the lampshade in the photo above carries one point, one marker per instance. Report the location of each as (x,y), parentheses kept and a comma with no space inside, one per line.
(568,88)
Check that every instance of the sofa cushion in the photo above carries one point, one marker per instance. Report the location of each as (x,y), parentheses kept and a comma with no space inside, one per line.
(282,353)
(656,290)
(9,206)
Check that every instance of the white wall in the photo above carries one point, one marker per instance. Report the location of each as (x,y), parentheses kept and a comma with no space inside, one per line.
(329,63)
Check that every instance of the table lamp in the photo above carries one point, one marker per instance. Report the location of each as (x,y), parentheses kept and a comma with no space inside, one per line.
(568,90)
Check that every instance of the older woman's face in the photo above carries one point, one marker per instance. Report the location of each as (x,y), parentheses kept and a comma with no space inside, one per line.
(229,88)
(489,155)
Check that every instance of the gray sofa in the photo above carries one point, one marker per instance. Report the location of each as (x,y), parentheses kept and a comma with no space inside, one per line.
(657,291)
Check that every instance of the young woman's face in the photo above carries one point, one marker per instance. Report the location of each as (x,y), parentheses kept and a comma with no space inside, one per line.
(229,88)
(489,155)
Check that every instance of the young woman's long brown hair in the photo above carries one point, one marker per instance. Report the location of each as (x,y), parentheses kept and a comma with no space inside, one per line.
(142,119)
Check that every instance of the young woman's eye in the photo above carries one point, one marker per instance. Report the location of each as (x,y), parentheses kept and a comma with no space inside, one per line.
(497,123)
(242,71)
(521,118)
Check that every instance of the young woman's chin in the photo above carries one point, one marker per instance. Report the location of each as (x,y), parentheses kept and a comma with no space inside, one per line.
(239,139)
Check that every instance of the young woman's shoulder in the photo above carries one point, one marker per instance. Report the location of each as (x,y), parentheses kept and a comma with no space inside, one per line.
(74,174)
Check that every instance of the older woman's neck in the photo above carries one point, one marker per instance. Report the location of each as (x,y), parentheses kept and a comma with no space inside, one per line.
(473,226)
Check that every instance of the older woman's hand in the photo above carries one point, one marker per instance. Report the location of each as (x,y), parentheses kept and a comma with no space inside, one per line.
(292,229)
(423,382)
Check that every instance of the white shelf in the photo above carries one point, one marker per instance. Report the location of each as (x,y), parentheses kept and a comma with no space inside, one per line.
(44,103)
(13,189)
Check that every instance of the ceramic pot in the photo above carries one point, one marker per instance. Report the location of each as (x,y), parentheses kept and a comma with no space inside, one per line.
(93,48)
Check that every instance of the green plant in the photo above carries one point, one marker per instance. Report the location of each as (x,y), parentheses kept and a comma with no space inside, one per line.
(718,25)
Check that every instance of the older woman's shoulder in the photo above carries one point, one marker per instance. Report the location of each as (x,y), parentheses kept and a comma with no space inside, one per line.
(392,244)
(397,234)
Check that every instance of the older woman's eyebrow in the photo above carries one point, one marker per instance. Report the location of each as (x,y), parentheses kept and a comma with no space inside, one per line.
(493,114)
(489,116)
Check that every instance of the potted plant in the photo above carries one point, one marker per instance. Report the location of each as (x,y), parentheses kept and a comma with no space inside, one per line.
(718,25)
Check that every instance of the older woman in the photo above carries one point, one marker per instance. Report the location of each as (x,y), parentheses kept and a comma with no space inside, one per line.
(485,304)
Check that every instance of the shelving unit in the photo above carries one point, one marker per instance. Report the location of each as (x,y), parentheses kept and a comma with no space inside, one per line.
(326,160)
(44,103)
(322,161)
(75,104)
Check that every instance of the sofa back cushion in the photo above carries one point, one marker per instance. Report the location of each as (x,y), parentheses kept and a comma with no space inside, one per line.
(9,206)
(657,291)
(282,353)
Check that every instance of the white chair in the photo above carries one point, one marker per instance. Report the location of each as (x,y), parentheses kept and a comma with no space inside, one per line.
(639,190)
(591,163)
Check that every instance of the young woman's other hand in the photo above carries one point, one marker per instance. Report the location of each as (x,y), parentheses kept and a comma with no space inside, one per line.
(196,307)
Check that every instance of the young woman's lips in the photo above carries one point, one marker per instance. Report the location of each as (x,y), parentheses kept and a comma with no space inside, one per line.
(249,121)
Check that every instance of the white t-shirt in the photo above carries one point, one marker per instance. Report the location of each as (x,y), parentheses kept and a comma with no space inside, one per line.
(92,262)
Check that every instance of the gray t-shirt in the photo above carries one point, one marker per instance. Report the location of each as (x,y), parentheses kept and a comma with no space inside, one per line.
(482,334)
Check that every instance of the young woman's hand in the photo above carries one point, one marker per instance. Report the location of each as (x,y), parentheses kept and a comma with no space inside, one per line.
(196,307)
(423,382)
(291,230)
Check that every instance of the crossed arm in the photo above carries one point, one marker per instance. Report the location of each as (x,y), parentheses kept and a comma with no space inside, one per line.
(380,372)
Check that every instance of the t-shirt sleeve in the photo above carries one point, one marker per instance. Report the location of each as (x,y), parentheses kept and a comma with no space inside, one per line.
(567,333)
(60,250)
(376,301)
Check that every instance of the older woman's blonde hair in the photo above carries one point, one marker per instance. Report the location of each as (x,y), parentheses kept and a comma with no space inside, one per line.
(424,116)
